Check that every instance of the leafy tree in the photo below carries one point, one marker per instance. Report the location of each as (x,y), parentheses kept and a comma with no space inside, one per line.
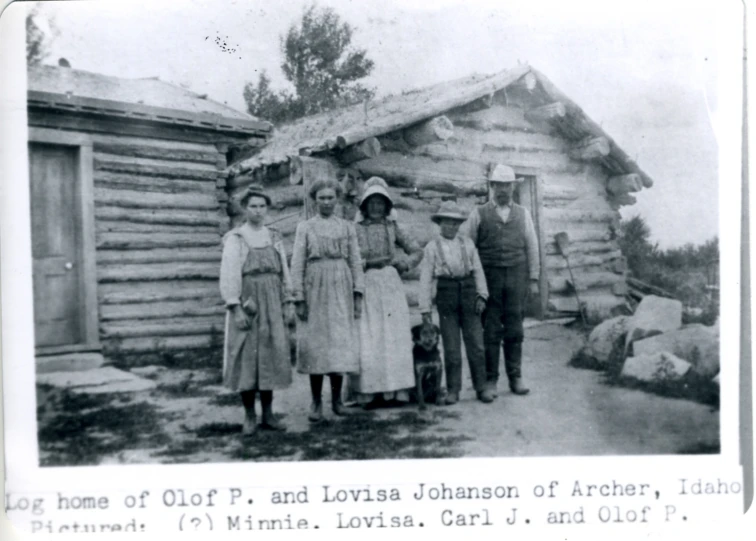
(636,246)
(37,42)
(322,66)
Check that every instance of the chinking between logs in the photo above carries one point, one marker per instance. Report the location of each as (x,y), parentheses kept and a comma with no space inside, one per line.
(422,492)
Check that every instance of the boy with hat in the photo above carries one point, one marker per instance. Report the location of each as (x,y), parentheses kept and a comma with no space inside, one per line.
(451,271)
(504,235)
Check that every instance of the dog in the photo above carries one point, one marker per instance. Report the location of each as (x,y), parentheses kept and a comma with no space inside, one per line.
(428,366)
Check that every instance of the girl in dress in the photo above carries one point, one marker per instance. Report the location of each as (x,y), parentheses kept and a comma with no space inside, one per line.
(327,283)
(386,364)
(255,284)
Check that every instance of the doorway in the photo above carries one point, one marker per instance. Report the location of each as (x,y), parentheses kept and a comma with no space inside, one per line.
(62,234)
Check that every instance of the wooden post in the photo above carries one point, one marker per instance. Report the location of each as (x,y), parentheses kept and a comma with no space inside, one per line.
(591,149)
(622,184)
(436,129)
(546,113)
(369,148)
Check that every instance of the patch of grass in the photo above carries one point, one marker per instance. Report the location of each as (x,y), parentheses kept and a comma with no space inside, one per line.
(83,428)
(226,400)
(692,386)
(184,389)
(701,448)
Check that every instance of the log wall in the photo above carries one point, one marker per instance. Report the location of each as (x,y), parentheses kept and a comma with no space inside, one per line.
(159,218)
(573,197)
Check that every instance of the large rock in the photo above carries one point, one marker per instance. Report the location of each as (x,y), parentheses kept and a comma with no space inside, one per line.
(656,367)
(697,344)
(604,336)
(654,315)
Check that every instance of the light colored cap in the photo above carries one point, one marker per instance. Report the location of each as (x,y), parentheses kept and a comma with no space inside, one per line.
(373,186)
(450,210)
(503,173)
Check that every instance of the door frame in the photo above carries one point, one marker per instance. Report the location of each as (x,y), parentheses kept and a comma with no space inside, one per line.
(536,198)
(85,225)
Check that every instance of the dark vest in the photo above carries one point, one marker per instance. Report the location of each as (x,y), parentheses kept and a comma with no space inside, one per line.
(501,244)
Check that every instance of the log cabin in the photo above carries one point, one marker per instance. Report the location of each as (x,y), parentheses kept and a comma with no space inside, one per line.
(128,208)
(441,142)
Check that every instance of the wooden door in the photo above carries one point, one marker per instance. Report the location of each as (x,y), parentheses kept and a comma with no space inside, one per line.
(56,245)
(527,194)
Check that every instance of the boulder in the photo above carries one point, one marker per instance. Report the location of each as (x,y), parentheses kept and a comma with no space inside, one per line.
(604,336)
(654,315)
(696,343)
(655,367)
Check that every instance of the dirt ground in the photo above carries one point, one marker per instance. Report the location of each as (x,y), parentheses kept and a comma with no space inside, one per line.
(191,418)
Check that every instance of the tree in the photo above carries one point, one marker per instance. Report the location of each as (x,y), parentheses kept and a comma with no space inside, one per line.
(320,63)
(636,246)
(37,42)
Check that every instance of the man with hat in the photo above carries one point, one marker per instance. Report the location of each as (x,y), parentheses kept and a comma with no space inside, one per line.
(504,234)
(451,272)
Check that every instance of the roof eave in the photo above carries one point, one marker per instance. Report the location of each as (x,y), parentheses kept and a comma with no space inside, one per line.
(207,121)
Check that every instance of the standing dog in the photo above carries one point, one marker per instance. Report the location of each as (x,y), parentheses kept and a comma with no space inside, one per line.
(428,366)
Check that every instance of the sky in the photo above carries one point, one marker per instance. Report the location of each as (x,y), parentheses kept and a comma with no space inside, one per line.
(646,71)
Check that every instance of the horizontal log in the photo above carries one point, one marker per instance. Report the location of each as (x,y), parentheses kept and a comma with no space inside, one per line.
(583,234)
(157,271)
(169,144)
(622,184)
(137,328)
(582,260)
(439,128)
(162,344)
(140,199)
(147,241)
(579,215)
(546,113)
(584,281)
(557,192)
(154,170)
(582,247)
(150,162)
(158,152)
(161,255)
(119,226)
(601,301)
(369,148)
(532,142)
(144,216)
(153,310)
(124,181)
(409,171)
(621,200)
(143,292)
(498,117)
(591,149)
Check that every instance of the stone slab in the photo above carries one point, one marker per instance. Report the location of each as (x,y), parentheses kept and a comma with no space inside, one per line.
(69,362)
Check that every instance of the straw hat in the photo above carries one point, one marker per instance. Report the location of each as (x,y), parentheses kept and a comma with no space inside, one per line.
(254,191)
(449,210)
(503,173)
(373,186)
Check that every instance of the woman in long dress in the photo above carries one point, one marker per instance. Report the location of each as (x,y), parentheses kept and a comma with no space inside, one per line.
(327,283)
(255,285)
(385,337)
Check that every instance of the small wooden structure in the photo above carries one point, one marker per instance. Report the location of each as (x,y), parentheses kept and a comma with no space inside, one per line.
(440,142)
(128,208)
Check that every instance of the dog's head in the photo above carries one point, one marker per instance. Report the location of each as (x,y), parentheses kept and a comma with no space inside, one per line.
(425,335)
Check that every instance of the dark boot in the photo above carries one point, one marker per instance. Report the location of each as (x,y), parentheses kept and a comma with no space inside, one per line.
(249,427)
(269,421)
(513,361)
(316,387)
(336,404)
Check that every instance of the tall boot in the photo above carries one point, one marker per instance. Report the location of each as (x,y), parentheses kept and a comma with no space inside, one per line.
(269,421)
(513,362)
(250,419)
(336,404)
(316,387)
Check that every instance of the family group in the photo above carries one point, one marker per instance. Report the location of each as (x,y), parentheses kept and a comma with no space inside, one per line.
(345,293)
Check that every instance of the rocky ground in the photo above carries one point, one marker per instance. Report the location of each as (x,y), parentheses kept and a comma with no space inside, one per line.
(188,417)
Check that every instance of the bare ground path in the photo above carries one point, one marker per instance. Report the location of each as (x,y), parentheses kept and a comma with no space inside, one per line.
(191,418)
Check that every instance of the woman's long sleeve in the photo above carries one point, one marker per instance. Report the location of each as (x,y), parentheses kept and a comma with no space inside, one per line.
(354,260)
(298,262)
(230,271)
(409,245)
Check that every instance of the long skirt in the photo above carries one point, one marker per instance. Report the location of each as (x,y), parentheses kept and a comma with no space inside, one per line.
(258,359)
(385,337)
(328,342)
